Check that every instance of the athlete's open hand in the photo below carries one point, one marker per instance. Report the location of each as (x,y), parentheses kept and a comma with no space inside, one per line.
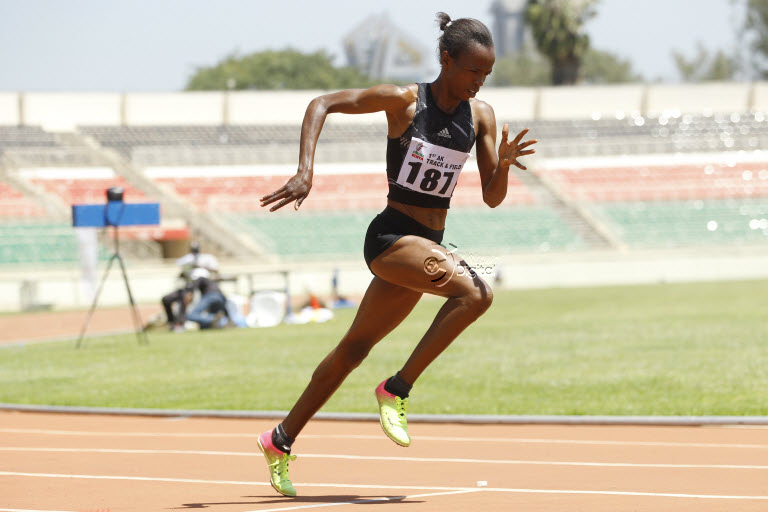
(295,189)
(509,152)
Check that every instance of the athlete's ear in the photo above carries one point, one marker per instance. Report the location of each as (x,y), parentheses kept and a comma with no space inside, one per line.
(445,58)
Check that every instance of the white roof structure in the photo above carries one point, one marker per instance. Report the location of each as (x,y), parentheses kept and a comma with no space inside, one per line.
(380,50)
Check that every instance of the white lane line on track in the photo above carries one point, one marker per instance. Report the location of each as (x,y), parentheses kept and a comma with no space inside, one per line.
(515,440)
(29,510)
(393,487)
(371,500)
(387,458)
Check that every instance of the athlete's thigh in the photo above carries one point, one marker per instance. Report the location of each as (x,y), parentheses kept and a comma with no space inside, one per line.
(384,306)
(424,266)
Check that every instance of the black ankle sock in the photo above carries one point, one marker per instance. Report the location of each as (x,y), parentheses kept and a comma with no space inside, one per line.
(397,386)
(281,440)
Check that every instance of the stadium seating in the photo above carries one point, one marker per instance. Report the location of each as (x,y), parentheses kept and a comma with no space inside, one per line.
(15,205)
(626,133)
(472,230)
(669,224)
(29,234)
(87,190)
(37,242)
(329,191)
(25,137)
(659,204)
(663,182)
(673,205)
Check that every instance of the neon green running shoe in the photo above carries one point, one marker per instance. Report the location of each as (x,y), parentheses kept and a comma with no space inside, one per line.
(278,465)
(392,417)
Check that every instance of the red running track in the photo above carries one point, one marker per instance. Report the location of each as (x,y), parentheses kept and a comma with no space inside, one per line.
(61,462)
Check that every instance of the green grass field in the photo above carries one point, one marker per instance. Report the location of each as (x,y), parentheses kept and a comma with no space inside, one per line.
(667,349)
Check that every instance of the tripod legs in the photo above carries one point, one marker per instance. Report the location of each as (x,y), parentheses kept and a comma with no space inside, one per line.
(140,333)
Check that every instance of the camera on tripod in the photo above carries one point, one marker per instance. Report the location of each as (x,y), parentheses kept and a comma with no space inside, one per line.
(114,214)
(115,194)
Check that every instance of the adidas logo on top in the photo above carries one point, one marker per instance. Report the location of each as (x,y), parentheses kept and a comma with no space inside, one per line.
(444,133)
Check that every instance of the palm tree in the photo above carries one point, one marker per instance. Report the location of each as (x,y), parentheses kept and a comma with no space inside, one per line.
(558,31)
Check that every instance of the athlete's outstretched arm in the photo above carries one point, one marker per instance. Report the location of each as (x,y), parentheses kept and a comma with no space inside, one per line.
(389,98)
(493,165)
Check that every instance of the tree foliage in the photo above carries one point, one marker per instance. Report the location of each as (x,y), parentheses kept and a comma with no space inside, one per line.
(602,67)
(558,31)
(284,69)
(530,68)
(756,24)
(523,68)
(705,66)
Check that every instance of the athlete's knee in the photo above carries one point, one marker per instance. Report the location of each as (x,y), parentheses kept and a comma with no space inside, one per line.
(479,297)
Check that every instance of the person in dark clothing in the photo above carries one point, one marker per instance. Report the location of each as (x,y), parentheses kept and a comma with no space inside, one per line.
(211,306)
(431,129)
(177,300)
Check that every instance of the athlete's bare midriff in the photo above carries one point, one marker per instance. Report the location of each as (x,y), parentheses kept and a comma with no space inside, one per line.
(433,218)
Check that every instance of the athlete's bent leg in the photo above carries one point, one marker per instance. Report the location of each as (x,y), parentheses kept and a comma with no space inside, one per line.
(384,307)
(428,268)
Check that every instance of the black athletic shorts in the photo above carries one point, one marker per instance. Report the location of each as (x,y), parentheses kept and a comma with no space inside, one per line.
(391,225)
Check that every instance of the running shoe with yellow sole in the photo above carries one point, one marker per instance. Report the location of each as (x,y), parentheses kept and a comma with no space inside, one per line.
(392,410)
(277,461)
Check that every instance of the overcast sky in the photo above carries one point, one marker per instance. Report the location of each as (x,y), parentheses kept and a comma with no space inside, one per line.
(155,45)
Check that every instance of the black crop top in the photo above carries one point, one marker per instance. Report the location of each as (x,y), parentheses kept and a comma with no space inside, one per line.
(424,163)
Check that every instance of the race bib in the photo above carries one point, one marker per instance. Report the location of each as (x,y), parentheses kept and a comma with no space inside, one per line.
(431,169)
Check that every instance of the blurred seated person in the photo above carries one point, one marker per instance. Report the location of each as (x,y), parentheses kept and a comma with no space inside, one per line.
(212,308)
(197,260)
(175,305)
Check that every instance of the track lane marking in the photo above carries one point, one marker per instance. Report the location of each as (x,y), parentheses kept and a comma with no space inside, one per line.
(519,440)
(404,487)
(386,458)
(30,510)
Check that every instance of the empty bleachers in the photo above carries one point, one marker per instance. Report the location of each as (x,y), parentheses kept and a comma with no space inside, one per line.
(330,234)
(663,182)
(87,190)
(15,205)
(37,242)
(236,144)
(692,223)
(663,205)
(12,137)
(658,204)
(624,133)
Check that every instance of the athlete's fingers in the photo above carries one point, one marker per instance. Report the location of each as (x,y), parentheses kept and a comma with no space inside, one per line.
(519,137)
(270,198)
(518,164)
(281,204)
(299,201)
(526,144)
(505,133)
(526,152)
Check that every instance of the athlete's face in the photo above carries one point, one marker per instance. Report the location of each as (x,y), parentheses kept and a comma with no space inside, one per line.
(467,72)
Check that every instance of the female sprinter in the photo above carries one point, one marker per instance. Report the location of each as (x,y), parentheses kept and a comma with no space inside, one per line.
(431,130)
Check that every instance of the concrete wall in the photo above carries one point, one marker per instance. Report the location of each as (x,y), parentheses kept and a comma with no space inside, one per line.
(760,97)
(186,108)
(64,111)
(9,109)
(283,107)
(590,101)
(511,103)
(711,97)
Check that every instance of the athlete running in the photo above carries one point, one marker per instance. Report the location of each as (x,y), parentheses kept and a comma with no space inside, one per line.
(431,130)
